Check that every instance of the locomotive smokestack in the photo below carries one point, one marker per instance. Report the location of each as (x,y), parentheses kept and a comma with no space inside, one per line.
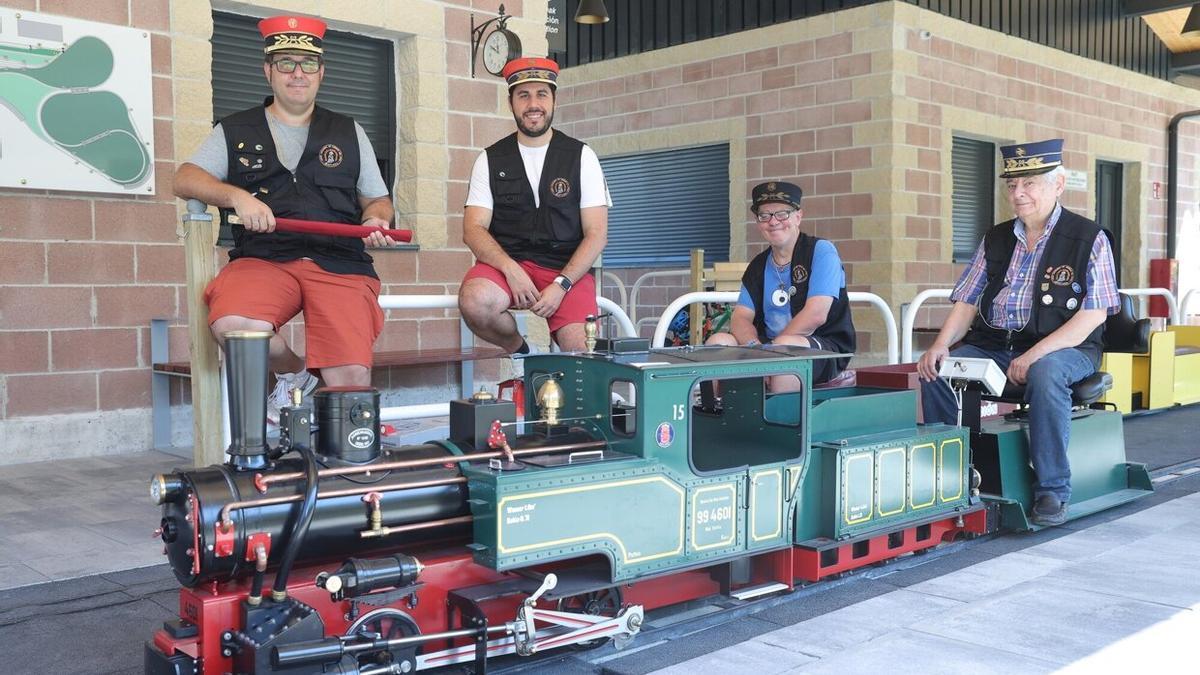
(246,379)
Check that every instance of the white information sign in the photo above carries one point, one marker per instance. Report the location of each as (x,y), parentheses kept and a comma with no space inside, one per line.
(1077,180)
(76,107)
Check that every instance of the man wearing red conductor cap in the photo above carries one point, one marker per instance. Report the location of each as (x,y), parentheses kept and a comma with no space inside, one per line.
(291,158)
(536,219)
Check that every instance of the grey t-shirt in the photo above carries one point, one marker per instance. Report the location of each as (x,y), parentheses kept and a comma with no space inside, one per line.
(213,155)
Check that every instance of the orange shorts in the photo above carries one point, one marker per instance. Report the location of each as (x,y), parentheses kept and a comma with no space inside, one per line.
(342,317)
(576,305)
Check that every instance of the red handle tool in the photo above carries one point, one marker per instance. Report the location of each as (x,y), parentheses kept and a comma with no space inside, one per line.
(332,229)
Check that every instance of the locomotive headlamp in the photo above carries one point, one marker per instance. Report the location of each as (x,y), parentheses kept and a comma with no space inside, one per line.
(163,488)
(550,400)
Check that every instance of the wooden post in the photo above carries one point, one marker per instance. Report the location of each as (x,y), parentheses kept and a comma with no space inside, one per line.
(199,238)
(696,309)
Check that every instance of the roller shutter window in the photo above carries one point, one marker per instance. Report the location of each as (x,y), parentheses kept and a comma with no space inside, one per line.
(973,167)
(360,79)
(666,203)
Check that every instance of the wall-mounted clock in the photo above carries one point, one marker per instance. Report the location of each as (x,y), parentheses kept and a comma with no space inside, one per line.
(499,48)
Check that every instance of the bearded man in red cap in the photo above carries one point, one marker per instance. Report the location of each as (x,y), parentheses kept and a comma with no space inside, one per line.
(291,158)
(536,219)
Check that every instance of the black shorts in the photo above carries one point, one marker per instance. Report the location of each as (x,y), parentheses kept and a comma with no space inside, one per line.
(825,370)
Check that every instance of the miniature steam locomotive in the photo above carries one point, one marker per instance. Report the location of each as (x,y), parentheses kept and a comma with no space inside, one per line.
(641,478)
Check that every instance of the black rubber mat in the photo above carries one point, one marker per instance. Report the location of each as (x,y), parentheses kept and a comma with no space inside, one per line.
(1163,438)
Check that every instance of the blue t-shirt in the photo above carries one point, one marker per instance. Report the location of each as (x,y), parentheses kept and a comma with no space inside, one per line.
(826,278)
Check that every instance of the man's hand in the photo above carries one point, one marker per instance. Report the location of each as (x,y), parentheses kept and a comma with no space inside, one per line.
(524,293)
(931,362)
(255,215)
(547,305)
(376,238)
(1018,368)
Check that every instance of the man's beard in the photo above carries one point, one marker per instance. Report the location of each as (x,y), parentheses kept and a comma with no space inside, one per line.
(547,116)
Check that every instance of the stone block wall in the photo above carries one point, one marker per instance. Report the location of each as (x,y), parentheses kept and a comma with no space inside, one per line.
(82,275)
(859,108)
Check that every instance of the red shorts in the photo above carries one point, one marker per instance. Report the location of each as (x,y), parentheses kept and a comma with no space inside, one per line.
(576,305)
(342,317)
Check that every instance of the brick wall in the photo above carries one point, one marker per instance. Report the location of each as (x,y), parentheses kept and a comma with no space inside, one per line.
(859,110)
(82,275)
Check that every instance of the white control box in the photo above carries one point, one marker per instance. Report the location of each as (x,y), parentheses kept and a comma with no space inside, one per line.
(984,371)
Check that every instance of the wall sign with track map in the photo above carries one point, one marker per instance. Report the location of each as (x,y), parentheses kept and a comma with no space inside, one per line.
(76,108)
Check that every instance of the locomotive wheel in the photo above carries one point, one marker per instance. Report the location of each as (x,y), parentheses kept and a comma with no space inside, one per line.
(386,623)
(599,603)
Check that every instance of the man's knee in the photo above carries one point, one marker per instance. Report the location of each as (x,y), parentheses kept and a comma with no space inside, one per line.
(794,340)
(723,339)
(229,323)
(481,298)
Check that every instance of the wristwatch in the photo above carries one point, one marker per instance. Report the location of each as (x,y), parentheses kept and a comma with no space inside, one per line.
(563,282)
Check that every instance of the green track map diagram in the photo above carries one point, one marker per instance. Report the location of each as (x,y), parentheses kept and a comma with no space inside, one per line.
(74,97)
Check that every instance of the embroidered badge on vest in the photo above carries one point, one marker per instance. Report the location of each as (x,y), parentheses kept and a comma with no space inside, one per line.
(1062,275)
(560,187)
(799,274)
(330,156)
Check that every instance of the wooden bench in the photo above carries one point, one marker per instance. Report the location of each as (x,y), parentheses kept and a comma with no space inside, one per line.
(162,370)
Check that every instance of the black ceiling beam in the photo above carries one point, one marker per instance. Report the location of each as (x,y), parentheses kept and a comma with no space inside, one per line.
(1185,63)
(1139,7)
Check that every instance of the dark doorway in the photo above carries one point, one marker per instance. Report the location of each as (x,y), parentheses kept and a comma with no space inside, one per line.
(1110,186)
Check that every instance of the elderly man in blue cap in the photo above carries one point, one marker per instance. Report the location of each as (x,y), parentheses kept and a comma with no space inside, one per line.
(1034,300)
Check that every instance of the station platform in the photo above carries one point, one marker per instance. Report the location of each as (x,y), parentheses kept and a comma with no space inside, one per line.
(83,585)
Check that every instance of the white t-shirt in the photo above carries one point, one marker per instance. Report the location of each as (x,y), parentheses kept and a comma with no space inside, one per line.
(593,191)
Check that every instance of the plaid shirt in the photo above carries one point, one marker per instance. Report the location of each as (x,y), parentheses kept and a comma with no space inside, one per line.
(1013,304)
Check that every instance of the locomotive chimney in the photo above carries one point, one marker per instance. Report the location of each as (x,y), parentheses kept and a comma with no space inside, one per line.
(246,380)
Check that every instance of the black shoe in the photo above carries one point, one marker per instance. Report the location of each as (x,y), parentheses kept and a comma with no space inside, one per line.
(1047,510)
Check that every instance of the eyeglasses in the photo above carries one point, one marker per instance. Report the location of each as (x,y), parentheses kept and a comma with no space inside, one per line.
(765,217)
(307,66)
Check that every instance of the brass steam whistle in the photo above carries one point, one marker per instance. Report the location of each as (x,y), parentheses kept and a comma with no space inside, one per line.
(550,400)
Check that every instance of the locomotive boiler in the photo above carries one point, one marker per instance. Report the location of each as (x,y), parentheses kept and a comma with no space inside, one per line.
(637,479)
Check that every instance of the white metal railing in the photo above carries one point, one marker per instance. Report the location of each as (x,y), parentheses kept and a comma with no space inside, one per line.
(660,331)
(910,313)
(1183,306)
(910,318)
(424,410)
(618,315)
(451,302)
(1161,292)
(637,286)
(623,303)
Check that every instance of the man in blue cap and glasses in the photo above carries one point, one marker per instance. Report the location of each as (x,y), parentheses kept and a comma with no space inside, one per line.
(1034,300)
(793,293)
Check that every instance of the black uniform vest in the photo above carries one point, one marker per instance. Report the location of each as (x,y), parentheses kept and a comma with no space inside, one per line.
(1061,275)
(323,187)
(549,233)
(838,329)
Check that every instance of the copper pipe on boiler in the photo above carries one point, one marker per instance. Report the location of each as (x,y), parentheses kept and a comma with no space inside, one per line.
(227,522)
(385,531)
(263,482)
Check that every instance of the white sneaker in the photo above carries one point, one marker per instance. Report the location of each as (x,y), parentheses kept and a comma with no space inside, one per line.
(282,394)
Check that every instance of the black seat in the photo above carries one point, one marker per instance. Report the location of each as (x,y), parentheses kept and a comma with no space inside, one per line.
(1083,393)
(1123,332)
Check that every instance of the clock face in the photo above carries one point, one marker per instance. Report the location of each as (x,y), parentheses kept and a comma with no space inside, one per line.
(495,51)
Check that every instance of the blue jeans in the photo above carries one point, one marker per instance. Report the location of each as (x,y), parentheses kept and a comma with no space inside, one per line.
(1048,393)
